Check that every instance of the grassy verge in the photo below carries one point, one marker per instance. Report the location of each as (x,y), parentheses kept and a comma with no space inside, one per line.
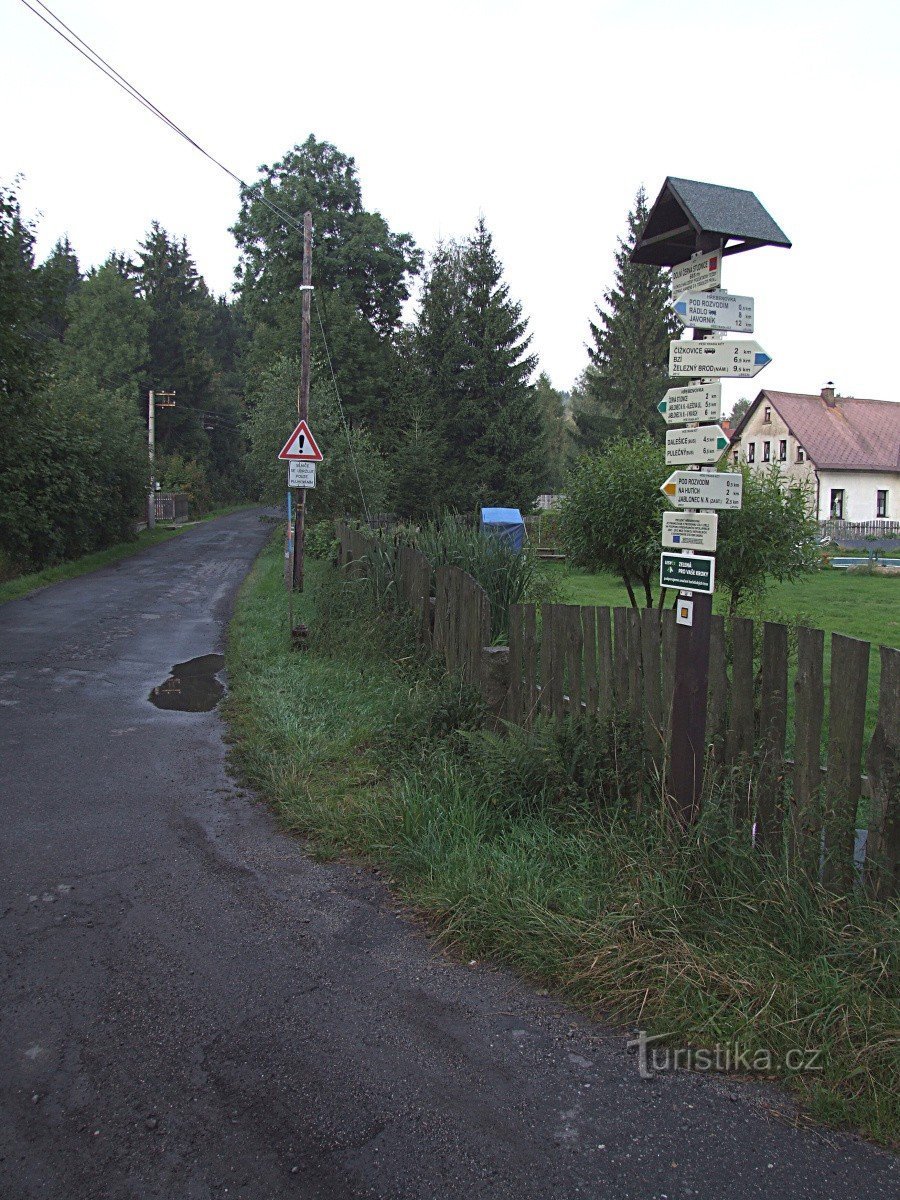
(528,850)
(22,585)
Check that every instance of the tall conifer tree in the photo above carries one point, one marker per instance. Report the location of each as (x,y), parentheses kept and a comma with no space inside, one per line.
(628,371)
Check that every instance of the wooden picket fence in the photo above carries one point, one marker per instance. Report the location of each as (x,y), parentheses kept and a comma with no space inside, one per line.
(565,661)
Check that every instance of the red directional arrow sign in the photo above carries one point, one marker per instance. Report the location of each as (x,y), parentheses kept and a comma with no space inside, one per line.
(301,446)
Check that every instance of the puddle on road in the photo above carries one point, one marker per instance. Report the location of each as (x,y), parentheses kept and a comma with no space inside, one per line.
(192,686)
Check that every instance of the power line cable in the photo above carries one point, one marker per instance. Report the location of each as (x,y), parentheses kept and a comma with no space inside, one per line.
(95,59)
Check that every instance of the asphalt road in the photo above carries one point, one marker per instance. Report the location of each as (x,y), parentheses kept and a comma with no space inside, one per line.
(192,1008)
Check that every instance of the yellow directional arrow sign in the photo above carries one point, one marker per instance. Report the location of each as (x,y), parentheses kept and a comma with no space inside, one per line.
(699,489)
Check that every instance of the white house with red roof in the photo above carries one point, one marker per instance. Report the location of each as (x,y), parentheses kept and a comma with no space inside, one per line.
(846,449)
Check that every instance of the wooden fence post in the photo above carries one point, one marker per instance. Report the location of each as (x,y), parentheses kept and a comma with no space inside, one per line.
(883,764)
(846,722)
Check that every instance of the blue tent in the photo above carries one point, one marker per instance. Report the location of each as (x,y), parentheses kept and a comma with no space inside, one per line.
(504,523)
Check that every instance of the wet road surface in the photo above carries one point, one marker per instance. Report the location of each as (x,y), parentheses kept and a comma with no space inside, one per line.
(190,1008)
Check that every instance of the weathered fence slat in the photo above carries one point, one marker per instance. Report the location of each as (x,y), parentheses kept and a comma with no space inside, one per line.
(529,651)
(589,641)
(668,633)
(558,660)
(741,719)
(546,658)
(772,730)
(514,711)
(654,731)
(574,645)
(606,701)
(620,657)
(883,765)
(846,722)
(717,697)
(635,684)
(809,711)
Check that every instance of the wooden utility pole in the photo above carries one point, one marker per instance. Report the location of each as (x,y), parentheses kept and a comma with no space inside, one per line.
(688,748)
(303,394)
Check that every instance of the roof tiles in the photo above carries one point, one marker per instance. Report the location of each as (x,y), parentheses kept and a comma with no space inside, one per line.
(850,433)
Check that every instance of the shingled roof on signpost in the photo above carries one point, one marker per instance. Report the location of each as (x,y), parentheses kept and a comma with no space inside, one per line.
(687,211)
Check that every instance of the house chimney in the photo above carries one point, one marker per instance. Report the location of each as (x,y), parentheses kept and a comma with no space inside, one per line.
(828,393)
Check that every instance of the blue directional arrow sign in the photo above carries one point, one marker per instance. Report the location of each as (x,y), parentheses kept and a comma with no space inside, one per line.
(715,310)
(717,360)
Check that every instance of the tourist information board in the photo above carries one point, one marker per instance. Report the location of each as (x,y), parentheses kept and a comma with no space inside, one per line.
(687,572)
(717,360)
(698,274)
(715,310)
(690,531)
(698,402)
(704,489)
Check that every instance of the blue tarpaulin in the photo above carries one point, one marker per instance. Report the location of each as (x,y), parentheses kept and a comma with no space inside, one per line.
(504,523)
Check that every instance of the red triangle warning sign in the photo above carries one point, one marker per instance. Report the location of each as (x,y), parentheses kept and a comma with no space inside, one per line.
(301,446)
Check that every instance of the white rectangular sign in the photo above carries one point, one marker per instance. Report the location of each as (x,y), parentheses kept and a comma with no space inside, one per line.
(302,474)
(699,274)
(703,445)
(698,402)
(717,360)
(715,310)
(704,489)
(690,531)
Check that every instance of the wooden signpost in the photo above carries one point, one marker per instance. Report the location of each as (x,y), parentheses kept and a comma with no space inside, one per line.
(691,228)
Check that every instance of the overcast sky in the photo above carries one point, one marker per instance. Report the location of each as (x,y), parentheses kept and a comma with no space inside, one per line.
(545,117)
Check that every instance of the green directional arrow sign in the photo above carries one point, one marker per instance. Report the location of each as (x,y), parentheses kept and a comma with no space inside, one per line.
(704,444)
(697,402)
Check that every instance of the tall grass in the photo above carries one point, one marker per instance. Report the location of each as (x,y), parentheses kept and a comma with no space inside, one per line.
(508,576)
(528,849)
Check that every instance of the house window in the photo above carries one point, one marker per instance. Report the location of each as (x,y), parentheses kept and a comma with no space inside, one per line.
(751,452)
(881,502)
(782,450)
(837,504)
(767,415)
(801,454)
(767,451)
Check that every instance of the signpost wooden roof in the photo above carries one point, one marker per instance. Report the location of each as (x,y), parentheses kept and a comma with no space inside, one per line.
(687,210)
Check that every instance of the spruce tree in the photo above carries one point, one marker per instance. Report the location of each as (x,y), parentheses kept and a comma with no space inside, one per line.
(499,420)
(58,279)
(471,348)
(628,371)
